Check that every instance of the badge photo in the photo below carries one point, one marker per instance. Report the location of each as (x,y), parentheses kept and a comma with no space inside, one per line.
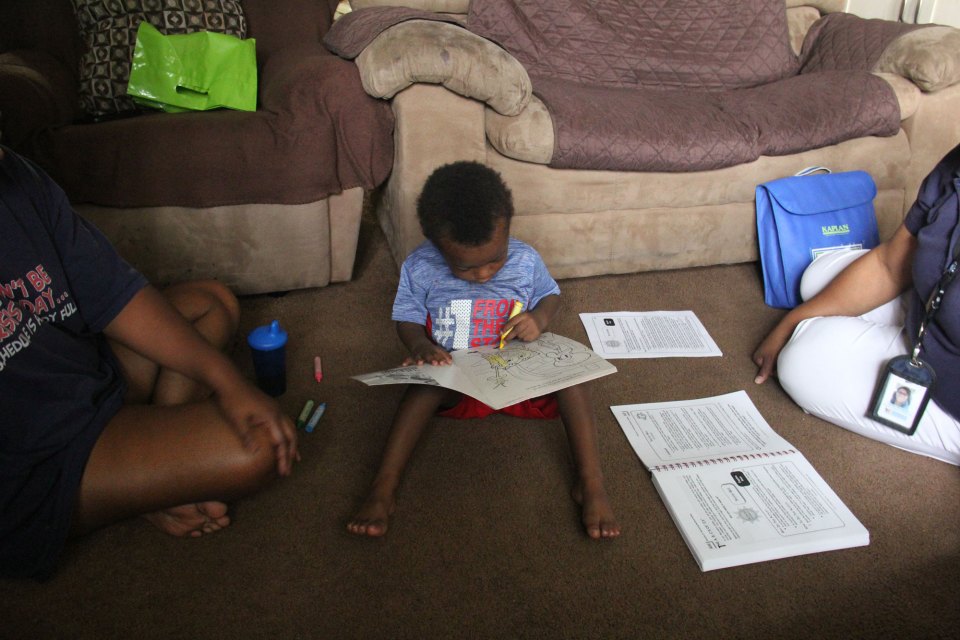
(902,394)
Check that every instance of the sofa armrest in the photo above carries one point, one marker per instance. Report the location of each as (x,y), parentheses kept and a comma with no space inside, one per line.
(927,55)
(298,78)
(842,41)
(443,53)
(930,57)
(36,92)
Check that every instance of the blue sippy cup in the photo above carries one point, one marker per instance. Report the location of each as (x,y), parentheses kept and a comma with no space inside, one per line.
(268,347)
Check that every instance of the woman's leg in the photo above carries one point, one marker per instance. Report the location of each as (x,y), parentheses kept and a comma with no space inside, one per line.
(214,312)
(825,268)
(169,454)
(830,367)
(177,464)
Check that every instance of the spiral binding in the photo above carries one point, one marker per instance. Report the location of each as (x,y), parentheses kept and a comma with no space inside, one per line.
(743,457)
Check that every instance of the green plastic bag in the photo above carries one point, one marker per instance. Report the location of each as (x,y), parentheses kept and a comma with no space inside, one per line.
(193,72)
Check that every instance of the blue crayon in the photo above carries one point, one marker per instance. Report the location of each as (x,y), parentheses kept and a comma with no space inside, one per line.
(315,418)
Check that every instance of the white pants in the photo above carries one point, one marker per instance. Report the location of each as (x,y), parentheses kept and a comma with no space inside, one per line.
(831,365)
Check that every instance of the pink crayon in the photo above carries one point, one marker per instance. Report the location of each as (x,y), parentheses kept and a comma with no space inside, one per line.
(317,369)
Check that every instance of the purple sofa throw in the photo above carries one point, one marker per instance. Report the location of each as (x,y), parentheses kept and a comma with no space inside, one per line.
(668,85)
(659,44)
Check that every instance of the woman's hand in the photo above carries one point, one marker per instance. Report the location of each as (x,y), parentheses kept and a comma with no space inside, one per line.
(246,408)
(769,350)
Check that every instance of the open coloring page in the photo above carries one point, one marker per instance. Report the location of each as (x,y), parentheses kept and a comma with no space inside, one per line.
(501,377)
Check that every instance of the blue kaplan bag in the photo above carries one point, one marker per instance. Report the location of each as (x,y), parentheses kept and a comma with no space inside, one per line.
(804,216)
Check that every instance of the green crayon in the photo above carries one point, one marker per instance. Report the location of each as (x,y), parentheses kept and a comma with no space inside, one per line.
(307,408)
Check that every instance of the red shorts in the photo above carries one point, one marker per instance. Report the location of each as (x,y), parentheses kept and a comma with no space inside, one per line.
(539,408)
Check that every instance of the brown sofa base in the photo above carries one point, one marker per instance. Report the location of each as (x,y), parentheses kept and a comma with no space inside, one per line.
(251,248)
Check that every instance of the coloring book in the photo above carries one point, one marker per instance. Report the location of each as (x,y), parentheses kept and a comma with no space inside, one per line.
(502,377)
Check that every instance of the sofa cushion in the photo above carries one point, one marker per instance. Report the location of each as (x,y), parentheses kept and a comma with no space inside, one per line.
(792,115)
(277,24)
(618,129)
(668,44)
(109,32)
(929,57)
(815,110)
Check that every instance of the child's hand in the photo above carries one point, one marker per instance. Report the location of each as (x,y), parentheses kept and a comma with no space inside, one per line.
(422,349)
(427,352)
(525,326)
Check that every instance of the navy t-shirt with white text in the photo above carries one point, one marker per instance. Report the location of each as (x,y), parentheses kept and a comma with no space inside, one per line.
(61,283)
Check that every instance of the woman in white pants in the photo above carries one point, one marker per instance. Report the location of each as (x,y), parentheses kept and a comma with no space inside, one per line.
(861,308)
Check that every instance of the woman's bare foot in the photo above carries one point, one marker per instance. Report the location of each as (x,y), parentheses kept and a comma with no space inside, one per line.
(192,520)
(372,518)
(598,518)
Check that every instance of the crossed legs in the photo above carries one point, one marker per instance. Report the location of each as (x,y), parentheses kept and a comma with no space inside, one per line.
(169,454)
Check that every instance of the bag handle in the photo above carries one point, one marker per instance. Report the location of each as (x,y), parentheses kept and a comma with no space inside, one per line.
(809,170)
(196,91)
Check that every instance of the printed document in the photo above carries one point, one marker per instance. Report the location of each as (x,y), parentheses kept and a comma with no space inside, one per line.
(648,334)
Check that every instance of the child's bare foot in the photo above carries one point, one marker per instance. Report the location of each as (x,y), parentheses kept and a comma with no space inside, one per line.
(372,518)
(192,520)
(598,518)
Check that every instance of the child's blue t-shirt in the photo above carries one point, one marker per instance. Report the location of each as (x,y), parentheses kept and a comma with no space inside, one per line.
(462,314)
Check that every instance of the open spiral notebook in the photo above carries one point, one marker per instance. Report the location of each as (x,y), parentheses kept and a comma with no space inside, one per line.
(738,492)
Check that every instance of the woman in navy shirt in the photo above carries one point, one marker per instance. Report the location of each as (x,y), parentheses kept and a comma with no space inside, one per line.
(863,308)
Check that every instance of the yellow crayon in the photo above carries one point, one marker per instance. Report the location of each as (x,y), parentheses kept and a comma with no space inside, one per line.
(517,307)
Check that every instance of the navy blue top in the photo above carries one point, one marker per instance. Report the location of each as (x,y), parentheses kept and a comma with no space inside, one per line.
(933,220)
(61,283)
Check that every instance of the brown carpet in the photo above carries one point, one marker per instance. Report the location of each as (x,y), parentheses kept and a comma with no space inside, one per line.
(486,542)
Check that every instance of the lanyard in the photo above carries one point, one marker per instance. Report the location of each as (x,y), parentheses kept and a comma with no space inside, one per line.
(933,302)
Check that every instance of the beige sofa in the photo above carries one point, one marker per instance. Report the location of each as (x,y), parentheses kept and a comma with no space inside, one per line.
(456,96)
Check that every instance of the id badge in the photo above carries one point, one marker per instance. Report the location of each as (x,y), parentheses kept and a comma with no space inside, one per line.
(902,394)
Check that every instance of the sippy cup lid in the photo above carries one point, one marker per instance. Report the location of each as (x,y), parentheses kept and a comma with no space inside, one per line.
(267,337)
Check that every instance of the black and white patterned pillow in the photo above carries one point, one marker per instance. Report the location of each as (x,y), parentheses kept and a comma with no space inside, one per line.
(109,32)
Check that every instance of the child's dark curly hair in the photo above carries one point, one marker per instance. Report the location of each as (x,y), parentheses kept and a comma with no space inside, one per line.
(462,201)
